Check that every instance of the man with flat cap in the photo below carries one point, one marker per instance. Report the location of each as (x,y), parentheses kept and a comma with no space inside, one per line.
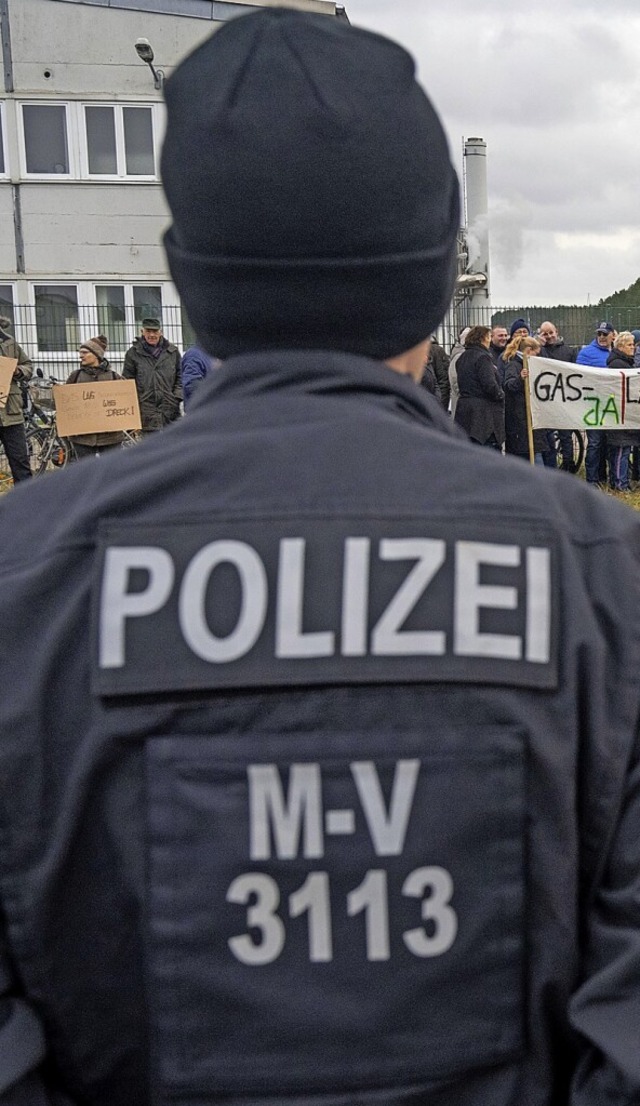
(154,363)
(323,788)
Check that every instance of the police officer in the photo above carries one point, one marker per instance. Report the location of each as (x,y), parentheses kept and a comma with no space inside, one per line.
(323,786)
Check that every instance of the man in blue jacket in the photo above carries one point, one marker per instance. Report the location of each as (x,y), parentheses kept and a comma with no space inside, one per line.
(195,366)
(595,355)
(324,784)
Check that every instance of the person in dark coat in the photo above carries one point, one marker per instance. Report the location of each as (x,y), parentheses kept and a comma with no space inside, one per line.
(94,367)
(519,329)
(480,408)
(515,411)
(428,380)
(154,363)
(440,363)
(196,365)
(621,442)
(12,429)
(498,344)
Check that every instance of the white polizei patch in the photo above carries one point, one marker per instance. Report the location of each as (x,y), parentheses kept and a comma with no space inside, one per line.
(387,639)
(538,634)
(471,597)
(268,621)
(253,608)
(117,603)
(290,639)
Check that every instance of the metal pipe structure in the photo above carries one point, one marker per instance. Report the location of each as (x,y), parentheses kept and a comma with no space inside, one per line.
(476,280)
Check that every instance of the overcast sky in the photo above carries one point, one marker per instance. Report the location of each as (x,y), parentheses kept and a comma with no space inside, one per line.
(553,87)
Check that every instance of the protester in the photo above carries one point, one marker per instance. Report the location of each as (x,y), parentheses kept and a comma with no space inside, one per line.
(515,413)
(621,442)
(12,432)
(322,786)
(519,329)
(497,345)
(480,408)
(195,366)
(428,378)
(439,361)
(553,346)
(457,349)
(154,363)
(94,368)
(596,355)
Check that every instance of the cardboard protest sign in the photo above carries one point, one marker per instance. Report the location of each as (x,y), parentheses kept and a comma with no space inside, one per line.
(96,408)
(576,397)
(7,369)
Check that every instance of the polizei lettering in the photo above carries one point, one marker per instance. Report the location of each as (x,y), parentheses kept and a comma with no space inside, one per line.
(268,607)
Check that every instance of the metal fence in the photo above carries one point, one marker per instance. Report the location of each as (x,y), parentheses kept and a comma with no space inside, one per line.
(577,325)
(50,333)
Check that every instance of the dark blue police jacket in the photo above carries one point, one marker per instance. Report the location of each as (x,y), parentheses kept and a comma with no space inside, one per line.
(318,763)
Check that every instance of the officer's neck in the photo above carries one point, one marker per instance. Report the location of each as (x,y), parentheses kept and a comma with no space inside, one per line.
(412,361)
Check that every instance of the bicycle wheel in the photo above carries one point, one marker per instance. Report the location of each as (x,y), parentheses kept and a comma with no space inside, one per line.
(37,444)
(569,462)
(47,451)
(61,452)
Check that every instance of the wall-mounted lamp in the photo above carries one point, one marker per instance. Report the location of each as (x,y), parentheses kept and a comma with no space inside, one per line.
(144,51)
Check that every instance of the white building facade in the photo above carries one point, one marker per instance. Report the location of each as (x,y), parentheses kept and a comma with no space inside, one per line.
(82,210)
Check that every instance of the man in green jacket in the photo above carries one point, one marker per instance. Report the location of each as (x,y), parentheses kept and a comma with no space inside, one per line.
(12,434)
(154,363)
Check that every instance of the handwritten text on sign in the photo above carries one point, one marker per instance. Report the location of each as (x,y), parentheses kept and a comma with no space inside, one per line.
(575,397)
(94,408)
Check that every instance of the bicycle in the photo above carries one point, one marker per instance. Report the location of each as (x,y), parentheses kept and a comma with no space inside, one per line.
(47,449)
(578,451)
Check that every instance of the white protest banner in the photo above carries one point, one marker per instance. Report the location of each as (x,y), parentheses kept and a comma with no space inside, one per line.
(576,397)
(95,408)
(7,369)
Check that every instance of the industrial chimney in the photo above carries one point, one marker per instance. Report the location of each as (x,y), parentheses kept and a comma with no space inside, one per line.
(476,278)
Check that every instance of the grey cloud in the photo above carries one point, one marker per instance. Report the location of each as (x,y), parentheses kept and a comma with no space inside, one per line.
(554,88)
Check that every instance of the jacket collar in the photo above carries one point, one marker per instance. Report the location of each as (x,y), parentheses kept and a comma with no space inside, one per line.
(321,373)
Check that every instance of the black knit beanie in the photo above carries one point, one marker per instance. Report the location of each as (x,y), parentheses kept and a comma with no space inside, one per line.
(313,198)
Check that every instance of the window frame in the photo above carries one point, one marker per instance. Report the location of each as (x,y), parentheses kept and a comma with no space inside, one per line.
(71,144)
(77,142)
(5,175)
(87,303)
(121,176)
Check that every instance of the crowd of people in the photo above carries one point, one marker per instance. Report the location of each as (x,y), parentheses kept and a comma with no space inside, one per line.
(482,385)
(164,380)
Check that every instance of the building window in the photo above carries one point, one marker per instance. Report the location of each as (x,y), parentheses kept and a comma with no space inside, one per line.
(138,141)
(101,141)
(119,141)
(56,317)
(112,314)
(147,303)
(45,138)
(6,305)
(188,333)
(3,169)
